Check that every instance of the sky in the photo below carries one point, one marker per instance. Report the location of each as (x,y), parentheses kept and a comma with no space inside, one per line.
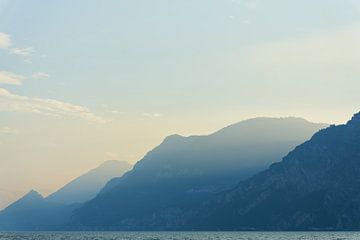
(86,81)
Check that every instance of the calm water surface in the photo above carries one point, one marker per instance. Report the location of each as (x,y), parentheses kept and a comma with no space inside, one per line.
(180,236)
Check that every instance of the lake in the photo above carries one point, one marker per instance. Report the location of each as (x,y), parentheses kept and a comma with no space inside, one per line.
(179,235)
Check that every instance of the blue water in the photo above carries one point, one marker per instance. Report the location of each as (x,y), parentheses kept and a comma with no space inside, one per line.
(180,236)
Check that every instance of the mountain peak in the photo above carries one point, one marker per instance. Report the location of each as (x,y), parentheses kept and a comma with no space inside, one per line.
(33,194)
(173,137)
(29,198)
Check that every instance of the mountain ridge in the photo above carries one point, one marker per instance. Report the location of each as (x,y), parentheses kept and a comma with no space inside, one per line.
(182,171)
(35,212)
(87,185)
(314,187)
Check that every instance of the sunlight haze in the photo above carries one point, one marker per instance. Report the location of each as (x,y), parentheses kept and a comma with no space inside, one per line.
(90,81)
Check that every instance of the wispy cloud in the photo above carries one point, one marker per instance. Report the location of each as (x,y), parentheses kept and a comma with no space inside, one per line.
(22,51)
(5,40)
(109,110)
(152,115)
(115,112)
(11,78)
(10,102)
(39,75)
(8,130)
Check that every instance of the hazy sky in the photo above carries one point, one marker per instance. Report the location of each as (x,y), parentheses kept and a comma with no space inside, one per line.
(82,82)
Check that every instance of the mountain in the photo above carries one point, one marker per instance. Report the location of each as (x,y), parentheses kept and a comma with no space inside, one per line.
(184,171)
(7,196)
(316,186)
(34,212)
(88,185)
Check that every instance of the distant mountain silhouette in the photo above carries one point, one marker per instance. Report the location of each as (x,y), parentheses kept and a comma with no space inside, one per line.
(34,212)
(184,171)
(316,186)
(88,185)
(6,196)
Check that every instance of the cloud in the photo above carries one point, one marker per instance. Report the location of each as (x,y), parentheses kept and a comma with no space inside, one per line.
(8,130)
(22,51)
(115,112)
(39,75)
(112,111)
(5,40)
(10,102)
(11,78)
(152,115)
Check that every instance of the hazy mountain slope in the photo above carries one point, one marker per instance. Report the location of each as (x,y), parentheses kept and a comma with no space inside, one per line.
(316,186)
(183,171)
(88,185)
(33,212)
(7,196)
